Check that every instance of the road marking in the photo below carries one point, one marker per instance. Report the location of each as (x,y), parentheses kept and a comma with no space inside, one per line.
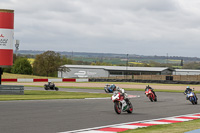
(129,96)
(99,98)
(138,124)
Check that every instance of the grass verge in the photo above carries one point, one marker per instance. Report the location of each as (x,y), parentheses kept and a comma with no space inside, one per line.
(24,76)
(169,128)
(44,95)
(101,88)
(127,89)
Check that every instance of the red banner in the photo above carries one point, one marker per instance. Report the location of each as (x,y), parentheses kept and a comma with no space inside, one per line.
(6,57)
(6,37)
(6,20)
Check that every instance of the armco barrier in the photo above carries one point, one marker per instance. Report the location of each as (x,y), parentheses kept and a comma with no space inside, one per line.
(69,80)
(45,80)
(12,89)
(82,80)
(24,80)
(9,80)
(55,80)
(40,80)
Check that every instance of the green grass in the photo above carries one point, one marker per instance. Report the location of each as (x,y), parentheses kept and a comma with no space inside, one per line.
(14,76)
(44,95)
(127,89)
(169,128)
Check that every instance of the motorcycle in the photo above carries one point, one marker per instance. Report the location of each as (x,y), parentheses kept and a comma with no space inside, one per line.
(192,97)
(121,104)
(107,90)
(50,86)
(150,95)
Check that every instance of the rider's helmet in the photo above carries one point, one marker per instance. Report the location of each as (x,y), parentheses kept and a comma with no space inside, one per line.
(188,87)
(112,87)
(107,85)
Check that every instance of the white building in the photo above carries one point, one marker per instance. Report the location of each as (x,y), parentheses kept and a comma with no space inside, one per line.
(88,71)
(186,72)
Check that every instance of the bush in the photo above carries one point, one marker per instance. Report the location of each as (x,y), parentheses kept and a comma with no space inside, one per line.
(22,66)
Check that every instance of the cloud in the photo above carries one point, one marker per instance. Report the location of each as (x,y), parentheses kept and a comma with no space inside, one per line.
(153,27)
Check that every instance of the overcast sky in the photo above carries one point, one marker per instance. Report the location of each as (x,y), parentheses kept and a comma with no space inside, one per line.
(145,27)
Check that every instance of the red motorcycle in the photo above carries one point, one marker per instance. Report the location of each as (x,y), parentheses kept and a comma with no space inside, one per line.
(120,104)
(150,95)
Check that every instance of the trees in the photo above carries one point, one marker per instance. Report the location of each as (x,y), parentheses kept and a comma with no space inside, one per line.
(47,64)
(191,65)
(22,66)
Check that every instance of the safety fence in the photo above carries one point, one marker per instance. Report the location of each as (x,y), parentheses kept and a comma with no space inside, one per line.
(12,89)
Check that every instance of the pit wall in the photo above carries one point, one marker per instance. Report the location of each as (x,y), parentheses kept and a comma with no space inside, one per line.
(45,80)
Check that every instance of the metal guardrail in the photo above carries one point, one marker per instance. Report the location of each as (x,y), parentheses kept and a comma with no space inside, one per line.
(12,89)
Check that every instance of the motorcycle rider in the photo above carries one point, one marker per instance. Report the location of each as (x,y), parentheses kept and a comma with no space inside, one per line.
(50,84)
(116,88)
(148,87)
(107,86)
(187,91)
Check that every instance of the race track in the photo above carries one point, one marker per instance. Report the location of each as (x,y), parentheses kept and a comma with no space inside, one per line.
(53,116)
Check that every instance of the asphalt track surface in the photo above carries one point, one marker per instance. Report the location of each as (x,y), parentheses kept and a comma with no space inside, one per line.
(53,116)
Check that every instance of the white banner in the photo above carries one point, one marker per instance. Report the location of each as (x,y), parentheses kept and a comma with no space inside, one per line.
(6,38)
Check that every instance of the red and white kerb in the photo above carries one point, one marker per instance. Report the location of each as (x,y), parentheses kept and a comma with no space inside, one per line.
(6,37)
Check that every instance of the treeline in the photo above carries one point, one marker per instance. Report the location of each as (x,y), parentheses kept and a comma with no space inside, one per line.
(45,64)
(49,62)
(32,54)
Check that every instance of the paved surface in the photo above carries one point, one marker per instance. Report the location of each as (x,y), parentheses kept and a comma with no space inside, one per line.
(139,124)
(52,116)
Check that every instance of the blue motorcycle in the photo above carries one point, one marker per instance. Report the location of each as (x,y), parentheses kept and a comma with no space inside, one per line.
(107,89)
(191,97)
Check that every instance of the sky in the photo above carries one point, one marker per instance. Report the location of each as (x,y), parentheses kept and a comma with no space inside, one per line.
(143,27)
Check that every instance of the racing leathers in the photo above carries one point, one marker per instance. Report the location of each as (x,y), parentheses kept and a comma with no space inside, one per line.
(148,87)
(187,91)
(122,91)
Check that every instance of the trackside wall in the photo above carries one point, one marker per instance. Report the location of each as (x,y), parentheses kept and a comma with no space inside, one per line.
(46,80)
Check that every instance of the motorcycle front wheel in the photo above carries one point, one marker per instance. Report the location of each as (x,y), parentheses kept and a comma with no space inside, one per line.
(118,107)
(150,98)
(192,100)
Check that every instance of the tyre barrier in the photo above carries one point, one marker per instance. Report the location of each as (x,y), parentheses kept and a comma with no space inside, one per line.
(144,81)
(12,89)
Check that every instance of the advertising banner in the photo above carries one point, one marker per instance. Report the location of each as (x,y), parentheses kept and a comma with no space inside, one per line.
(6,37)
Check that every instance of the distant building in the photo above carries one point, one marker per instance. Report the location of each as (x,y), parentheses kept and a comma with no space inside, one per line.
(88,71)
(186,72)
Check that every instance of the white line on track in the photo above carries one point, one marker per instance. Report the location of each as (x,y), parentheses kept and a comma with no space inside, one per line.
(129,96)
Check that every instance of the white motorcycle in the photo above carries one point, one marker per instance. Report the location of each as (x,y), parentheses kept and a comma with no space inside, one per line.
(120,105)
